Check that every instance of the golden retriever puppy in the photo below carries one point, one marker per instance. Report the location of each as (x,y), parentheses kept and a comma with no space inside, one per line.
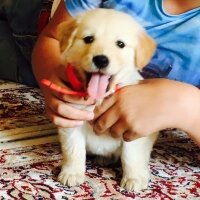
(107,47)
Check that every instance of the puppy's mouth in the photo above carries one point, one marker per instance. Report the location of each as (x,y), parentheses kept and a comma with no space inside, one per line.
(97,84)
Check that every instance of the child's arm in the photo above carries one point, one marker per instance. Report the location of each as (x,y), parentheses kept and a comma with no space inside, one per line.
(47,64)
(139,110)
(46,54)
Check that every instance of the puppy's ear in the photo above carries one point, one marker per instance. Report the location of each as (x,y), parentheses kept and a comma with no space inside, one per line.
(66,34)
(144,50)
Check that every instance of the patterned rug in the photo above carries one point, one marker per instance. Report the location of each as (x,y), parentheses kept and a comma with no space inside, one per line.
(22,113)
(30,159)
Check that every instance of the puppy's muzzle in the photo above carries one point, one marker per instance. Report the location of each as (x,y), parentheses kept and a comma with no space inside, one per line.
(100,61)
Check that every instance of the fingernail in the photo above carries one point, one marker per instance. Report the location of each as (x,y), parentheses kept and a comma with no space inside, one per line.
(126,139)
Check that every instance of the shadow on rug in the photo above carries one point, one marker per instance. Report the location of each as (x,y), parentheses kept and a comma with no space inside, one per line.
(30,158)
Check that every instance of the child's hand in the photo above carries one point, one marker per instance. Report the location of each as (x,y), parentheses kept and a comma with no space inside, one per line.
(59,106)
(45,59)
(139,110)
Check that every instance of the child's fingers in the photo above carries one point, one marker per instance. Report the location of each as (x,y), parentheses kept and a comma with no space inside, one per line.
(107,103)
(65,110)
(129,136)
(117,130)
(62,122)
(106,120)
(74,99)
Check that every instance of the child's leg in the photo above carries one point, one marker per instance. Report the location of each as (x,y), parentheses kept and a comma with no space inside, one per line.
(20,26)
(8,54)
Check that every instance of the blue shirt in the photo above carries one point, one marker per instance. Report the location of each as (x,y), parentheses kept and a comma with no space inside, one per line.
(178,36)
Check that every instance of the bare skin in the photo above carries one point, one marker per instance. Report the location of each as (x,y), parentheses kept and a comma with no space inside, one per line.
(139,110)
(47,63)
(175,7)
(175,105)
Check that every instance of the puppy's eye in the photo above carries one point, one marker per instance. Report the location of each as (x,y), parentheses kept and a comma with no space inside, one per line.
(120,44)
(88,39)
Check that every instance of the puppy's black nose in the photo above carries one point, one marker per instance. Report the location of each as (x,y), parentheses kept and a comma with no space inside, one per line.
(100,61)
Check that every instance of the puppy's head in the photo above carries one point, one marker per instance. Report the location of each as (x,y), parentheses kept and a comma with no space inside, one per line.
(107,47)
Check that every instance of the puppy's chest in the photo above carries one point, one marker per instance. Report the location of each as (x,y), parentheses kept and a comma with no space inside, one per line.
(103,145)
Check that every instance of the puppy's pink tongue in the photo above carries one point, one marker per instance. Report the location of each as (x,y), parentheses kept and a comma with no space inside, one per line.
(97,85)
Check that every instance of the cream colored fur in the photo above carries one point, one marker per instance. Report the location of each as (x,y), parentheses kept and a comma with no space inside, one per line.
(107,27)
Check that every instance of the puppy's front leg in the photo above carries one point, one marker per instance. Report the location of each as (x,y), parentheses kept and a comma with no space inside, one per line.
(74,156)
(135,159)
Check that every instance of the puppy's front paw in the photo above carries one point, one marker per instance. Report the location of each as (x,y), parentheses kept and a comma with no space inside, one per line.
(71,177)
(135,183)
